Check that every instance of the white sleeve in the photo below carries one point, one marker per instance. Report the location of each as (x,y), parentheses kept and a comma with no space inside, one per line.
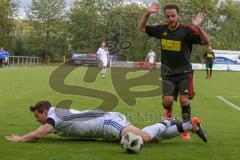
(148,55)
(98,51)
(98,55)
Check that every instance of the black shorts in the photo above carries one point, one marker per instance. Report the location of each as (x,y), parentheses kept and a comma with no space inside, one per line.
(209,65)
(178,84)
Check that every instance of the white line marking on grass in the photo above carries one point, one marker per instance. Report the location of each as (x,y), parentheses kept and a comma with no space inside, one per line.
(236,96)
(229,103)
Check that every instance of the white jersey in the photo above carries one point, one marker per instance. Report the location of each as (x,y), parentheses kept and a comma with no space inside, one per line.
(103,53)
(87,124)
(151,57)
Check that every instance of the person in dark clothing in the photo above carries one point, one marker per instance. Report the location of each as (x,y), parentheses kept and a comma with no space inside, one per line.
(176,42)
(209,58)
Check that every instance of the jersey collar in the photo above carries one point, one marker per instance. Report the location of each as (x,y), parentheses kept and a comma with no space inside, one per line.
(173,29)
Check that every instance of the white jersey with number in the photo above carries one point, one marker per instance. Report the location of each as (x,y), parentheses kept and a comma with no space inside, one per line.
(87,124)
(151,57)
(102,53)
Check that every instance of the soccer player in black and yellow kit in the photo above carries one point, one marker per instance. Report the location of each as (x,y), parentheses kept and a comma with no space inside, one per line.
(176,42)
(209,57)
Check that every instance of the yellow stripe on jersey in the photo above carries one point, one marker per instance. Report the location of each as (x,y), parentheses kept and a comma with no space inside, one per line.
(210,55)
(171,45)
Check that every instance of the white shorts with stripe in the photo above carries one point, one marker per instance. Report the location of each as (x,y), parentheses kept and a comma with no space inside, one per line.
(114,123)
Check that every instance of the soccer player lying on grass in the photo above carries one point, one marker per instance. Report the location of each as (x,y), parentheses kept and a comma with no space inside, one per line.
(110,126)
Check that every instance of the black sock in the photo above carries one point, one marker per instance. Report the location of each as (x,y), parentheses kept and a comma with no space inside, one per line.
(180,127)
(186,113)
(167,107)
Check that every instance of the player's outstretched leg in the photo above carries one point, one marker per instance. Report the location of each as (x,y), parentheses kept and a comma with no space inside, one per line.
(155,130)
(198,128)
(131,128)
(194,125)
(174,128)
(167,129)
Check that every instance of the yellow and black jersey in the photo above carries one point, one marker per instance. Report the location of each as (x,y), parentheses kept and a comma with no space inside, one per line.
(209,56)
(176,46)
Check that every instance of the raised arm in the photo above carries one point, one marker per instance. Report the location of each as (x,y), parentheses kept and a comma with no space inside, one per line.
(197,21)
(32,136)
(151,9)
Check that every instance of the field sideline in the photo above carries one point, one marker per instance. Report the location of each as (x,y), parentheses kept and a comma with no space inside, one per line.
(22,87)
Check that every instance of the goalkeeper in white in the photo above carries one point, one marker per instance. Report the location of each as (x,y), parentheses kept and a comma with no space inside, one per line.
(102,55)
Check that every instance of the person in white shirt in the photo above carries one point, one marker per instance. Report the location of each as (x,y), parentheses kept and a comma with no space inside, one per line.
(110,126)
(102,55)
(151,59)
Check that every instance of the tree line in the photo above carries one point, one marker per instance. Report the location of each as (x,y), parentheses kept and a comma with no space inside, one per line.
(50,30)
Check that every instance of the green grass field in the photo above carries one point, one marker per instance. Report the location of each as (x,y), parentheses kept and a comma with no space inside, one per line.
(22,87)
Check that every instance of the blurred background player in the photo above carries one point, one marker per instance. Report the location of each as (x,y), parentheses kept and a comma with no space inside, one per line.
(209,59)
(110,126)
(151,59)
(176,46)
(4,57)
(102,55)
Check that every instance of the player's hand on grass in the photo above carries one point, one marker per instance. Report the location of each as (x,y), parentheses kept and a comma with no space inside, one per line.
(197,21)
(13,138)
(153,8)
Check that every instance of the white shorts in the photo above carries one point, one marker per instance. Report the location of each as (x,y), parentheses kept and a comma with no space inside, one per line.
(151,61)
(103,63)
(114,123)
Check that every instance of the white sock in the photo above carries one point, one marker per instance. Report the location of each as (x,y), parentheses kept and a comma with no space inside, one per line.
(155,130)
(172,131)
(104,70)
(187,126)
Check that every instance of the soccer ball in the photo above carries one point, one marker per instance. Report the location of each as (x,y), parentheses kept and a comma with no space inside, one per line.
(131,143)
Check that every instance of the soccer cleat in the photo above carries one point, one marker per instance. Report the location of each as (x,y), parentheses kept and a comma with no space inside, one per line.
(185,135)
(198,129)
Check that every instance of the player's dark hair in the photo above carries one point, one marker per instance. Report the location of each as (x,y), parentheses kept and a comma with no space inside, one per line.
(172,6)
(40,106)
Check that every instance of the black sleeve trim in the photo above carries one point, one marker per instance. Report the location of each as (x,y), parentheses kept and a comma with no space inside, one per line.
(50,121)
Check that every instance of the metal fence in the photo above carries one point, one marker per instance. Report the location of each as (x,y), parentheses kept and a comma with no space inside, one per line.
(23,61)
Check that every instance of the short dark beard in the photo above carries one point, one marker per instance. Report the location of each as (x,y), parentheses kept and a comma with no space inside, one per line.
(175,27)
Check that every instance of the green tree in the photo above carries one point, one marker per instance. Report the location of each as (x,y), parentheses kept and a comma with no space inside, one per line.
(228,32)
(47,19)
(7,11)
(89,25)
